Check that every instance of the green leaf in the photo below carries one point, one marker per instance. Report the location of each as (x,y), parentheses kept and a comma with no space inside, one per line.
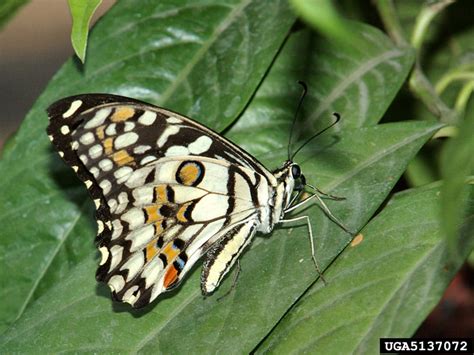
(457,164)
(362,165)
(360,85)
(323,16)
(384,286)
(81,12)
(8,8)
(177,55)
(49,273)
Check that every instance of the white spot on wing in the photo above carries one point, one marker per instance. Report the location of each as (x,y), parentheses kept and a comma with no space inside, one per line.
(138,177)
(151,271)
(173,119)
(123,174)
(95,151)
(134,264)
(112,204)
(134,217)
(98,118)
(73,108)
(147,118)
(126,139)
(105,185)
(129,126)
(129,296)
(176,150)
(65,129)
(116,283)
(147,159)
(122,202)
(143,195)
(87,138)
(100,226)
(200,145)
(111,129)
(83,158)
(94,171)
(140,149)
(117,228)
(140,237)
(169,131)
(116,252)
(104,255)
(106,164)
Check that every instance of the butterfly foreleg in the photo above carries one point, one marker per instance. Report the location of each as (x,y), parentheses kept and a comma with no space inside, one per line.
(329,196)
(323,206)
(311,241)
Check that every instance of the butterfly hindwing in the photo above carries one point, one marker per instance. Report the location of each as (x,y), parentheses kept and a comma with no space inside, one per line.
(166,190)
(168,226)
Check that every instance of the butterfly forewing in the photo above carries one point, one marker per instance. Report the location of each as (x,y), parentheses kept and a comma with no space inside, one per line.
(166,189)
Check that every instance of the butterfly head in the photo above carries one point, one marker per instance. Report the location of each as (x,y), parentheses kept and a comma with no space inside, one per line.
(290,179)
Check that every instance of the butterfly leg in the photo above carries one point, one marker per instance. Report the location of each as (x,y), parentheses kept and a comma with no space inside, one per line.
(311,240)
(325,209)
(331,216)
(237,271)
(329,196)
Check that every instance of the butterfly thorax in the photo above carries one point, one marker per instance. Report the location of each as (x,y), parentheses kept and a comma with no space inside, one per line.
(281,193)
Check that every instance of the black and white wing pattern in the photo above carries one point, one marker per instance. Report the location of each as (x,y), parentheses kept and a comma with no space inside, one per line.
(167,191)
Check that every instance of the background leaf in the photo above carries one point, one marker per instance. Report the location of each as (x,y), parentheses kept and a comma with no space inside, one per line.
(173,54)
(362,167)
(81,12)
(457,165)
(8,8)
(400,265)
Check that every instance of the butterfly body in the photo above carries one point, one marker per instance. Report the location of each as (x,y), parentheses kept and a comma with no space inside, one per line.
(167,190)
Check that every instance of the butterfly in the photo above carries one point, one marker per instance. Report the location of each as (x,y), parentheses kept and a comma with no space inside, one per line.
(167,192)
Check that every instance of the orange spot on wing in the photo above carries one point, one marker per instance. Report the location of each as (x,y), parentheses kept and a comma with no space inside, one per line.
(151,250)
(158,228)
(108,146)
(160,192)
(170,277)
(99,131)
(122,157)
(122,113)
(153,213)
(181,213)
(170,251)
(189,173)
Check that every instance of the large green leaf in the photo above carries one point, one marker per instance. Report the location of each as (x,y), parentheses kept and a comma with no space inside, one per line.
(384,286)
(203,58)
(361,164)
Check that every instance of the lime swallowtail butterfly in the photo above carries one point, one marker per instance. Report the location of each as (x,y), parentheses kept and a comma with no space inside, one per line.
(168,191)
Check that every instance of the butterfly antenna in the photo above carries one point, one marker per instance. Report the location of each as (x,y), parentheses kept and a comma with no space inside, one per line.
(303,94)
(338,118)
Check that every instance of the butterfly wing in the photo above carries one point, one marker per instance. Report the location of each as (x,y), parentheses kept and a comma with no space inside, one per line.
(166,188)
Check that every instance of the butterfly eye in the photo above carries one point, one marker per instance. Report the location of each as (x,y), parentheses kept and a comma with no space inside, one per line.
(295,171)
